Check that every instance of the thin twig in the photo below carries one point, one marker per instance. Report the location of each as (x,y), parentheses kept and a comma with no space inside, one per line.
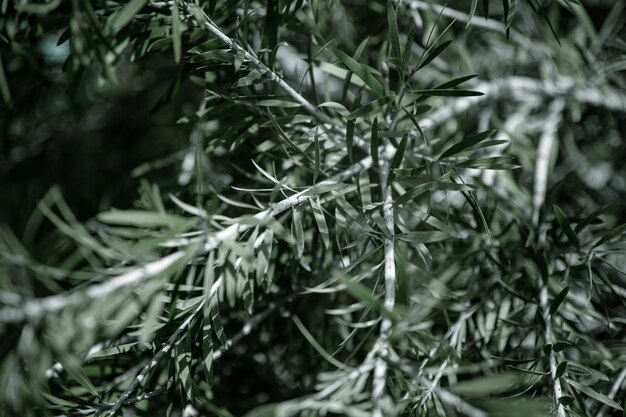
(380,367)
(37,307)
(453,335)
(444,395)
(247,328)
(163,351)
(34,309)
(544,152)
(619,381)
(482,22)
(549,339)
(204,21)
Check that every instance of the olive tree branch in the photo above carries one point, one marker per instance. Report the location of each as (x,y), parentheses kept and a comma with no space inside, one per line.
(164,350)
(204,21)
(444,395)
(35,308)
(544,152)
(380,367)
(549,339)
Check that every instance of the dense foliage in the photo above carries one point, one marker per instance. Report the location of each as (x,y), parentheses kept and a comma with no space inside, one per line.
(359,207)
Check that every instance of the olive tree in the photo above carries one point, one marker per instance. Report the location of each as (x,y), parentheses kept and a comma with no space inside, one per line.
(361,208)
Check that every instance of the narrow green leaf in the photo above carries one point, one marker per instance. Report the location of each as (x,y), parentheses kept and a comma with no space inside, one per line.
(487,385)
(558,300)
(263,260)
(471,13)
(406,54)
(316,168)
(374,143)
(456,81)
(74,370)
(35,8)
(397,158)
(338,107)
(432,186)
(423,237)
(4,86)
(362,72)
(364,294)
(350,139)
(309,337)
(139,218)
(249,79)
(183,357)
(322,189)
(217,321)
(560,370)
(127,14)
(207,349)
(467,143)
(594,394)
(492,162)
(350,211)
(298,231)
(560,346)
(284,137)
(277,103)
(618,231)
(432,53)
(565,226)
(176,32)
(148,325)
(394,37)
(370,108)
(360,48)
(443,92)
(505,7)
(320,219)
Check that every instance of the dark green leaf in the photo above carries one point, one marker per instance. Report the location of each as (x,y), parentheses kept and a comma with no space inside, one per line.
(362,72)
(423,237)
(124,16)
(558,300)
(138,218)
(565,226)
(320,219)
(350,139)
(394,37)
(432,186)
(618,231)
(176,32)
(298,232)
(374,144)
(4,86)
(487,385)
(447,93)
(364,294)
(433,53)
(397,158)
(455,82)
(467,143)
(493,162)
(370,108)
(594,394)
(560,346)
